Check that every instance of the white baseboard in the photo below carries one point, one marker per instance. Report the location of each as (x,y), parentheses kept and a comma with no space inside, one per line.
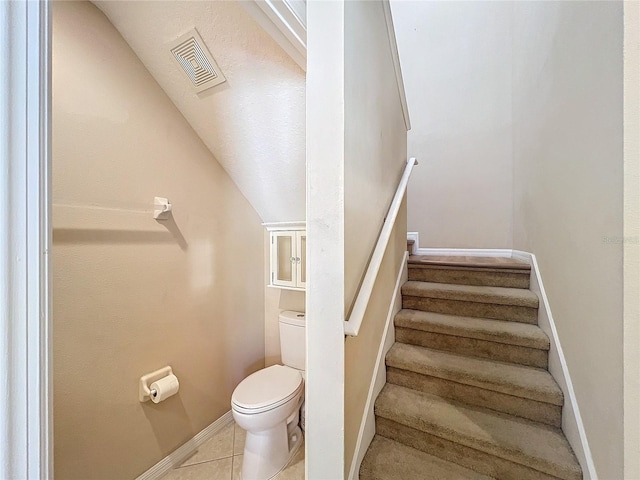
(571,418)
(455,252)
(176,457)
(415,236)
(379,377)
(472,252)
(466,252)
(522,256)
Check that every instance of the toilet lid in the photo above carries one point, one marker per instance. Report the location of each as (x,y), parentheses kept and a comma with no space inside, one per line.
(267,387)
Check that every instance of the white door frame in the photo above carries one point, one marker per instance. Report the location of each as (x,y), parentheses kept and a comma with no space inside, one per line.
(25,236)
(324,306)
(631,333)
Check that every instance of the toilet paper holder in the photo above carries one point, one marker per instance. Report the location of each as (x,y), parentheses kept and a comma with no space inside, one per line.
(144,392)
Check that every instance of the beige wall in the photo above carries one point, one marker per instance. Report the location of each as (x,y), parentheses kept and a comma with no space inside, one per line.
(132,295)
(375,136)
(456,62)
(375,156)
(568,187)
(361,351)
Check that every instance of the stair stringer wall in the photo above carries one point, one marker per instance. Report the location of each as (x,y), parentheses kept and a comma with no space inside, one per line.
(379,377)
(572,424)
(361,352)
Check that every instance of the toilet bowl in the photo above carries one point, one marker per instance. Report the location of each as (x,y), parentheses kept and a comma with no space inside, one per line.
(267,405)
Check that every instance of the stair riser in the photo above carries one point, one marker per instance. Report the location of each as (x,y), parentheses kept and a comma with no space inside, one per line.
(474,347)
(530,409)
(472,309)
(476,460)
(469,276)
(387,459)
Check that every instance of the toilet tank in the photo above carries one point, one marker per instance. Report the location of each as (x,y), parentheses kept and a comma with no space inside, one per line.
(292,339)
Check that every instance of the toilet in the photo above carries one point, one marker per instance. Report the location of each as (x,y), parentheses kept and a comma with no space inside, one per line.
(267,405)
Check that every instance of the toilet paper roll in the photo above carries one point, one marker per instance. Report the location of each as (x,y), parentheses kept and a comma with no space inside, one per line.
(164,388)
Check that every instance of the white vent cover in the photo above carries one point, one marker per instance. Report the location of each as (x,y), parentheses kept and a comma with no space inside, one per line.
(192,55)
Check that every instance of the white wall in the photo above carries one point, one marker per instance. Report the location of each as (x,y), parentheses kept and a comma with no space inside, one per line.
(356,151)
(130,294)
(568,187)
(456,62)
(324,436)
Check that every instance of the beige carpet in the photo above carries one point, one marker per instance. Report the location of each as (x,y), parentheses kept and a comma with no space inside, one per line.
(468,395)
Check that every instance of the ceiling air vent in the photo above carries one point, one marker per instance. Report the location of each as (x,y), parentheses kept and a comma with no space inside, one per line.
(193,56)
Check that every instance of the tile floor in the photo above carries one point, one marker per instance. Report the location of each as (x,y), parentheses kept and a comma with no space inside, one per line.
(220,458)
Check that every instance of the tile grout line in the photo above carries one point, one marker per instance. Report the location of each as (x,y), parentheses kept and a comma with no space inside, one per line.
(179,467)
(233,451)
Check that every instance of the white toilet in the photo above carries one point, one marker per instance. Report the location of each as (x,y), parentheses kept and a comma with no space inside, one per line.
(267,405)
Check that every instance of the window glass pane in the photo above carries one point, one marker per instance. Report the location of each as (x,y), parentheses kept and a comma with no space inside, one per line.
(285,267)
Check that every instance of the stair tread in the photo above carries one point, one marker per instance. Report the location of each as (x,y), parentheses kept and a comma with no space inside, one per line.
(387,459)
(511,333)
(527,443)
(470,293)
(469,261)
(508,378)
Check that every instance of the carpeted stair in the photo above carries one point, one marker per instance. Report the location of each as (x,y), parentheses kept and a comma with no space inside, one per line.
(468,395)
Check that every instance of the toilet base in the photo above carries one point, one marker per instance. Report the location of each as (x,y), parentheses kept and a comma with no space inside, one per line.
(267,453)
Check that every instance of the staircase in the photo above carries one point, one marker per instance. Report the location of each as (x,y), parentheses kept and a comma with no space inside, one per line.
(468,394)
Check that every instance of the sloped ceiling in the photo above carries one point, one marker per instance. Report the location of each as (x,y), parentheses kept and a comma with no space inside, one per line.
(254,124)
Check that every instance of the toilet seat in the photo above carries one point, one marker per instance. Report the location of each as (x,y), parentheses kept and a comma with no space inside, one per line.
(267,389)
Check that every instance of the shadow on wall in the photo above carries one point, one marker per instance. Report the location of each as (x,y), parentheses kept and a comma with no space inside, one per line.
(117,236)
(166,427)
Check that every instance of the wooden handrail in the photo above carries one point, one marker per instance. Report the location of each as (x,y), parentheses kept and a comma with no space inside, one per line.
(352,325)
